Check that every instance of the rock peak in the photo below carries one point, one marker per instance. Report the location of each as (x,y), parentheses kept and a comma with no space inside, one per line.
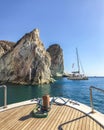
(35,32)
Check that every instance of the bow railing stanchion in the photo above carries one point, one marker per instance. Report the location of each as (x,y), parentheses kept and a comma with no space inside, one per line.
(91,100)
(91,96)
(5,95)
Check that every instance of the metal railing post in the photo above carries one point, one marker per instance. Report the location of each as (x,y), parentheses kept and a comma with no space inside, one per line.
(91,100)
(5,95)
(91,96)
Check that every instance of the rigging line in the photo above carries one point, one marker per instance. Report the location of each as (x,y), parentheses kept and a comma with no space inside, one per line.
(81,66)
(78,60)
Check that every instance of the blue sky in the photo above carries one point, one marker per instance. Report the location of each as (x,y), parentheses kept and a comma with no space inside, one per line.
(70,23)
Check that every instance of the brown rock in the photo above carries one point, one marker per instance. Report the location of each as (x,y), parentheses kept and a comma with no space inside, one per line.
(27,62)
(5,46)
(57,63)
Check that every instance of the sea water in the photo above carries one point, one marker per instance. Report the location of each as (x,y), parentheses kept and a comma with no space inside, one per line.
(73,89)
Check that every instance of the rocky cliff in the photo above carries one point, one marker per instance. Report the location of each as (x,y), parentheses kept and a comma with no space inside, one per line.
(27,62)
(57,63)
(5,46)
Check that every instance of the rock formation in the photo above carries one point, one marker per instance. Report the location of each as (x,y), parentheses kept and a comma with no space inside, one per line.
(5,46)
(57,63)
(27,62)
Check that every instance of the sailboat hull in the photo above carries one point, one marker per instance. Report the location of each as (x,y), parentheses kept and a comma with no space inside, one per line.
(78,78)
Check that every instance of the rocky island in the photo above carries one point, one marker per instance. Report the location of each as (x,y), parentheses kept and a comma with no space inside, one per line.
(28,62)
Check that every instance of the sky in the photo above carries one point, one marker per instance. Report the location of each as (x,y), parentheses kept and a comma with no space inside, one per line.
(70,23)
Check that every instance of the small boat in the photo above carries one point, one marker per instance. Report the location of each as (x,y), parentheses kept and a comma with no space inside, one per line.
(77,75)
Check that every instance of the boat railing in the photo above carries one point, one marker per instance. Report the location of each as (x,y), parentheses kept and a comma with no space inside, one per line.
(5,95)
(91,96)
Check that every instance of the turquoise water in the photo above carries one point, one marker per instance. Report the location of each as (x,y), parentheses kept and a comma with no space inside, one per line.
(76,90)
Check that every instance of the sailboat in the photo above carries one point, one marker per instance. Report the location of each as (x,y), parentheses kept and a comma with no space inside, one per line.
(77,75)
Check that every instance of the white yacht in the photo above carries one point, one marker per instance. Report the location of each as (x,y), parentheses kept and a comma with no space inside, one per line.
(77,75)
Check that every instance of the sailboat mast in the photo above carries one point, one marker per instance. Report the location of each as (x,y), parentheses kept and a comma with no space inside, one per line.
(78,60)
